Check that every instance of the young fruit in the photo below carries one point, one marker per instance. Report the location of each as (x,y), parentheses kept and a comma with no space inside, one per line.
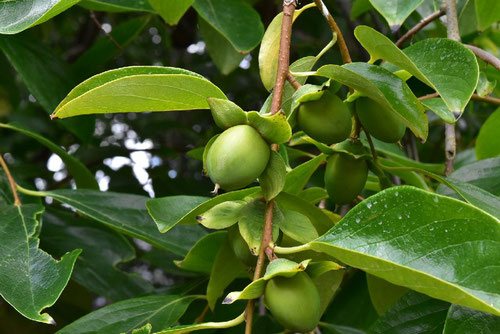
(237,157)
(327,120)
(240,246)
(379,122)
(294,302)
(345,177)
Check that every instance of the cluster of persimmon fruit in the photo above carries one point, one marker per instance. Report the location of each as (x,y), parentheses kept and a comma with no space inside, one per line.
(239,155)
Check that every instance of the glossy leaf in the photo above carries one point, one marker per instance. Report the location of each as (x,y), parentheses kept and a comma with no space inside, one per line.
(383,294)
(437,106)
(244,33)
(222,215)
(30,279)
(83,177)
(47,77)
(297,226)
(383,87)
(463,320)
(395,11)
(124,316)
(222,52)
(171,10)
(273,128)
(483,174)
(126,213)
(414,313)
(251,224)
(488,141)
(201,257)
(138,89)
(487,13)
(167,212)
(298,177)
(16,16)
(278,267)
(269,49)
(102,251)
(438,246)
(443,64)
(272,180)
(226,269)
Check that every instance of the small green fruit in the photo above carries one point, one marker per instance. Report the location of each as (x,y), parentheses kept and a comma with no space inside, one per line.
(240,246)
(378,121)
(237,157)
(294,302)
(345,177)
(327,120)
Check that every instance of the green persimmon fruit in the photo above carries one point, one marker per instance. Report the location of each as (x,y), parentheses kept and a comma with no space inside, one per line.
(378,121)
(294,302)
(237,157)
(240,246)
(345,177)
(327,120)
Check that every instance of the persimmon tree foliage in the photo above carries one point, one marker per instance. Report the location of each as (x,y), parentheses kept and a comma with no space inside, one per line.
(351,146)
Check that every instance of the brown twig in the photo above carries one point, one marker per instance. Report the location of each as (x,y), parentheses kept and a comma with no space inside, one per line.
(450,140)
(475,97)
(291,79)
(12,182)
(484,55)
(420,25)
(284,54)
(267,236)
(108,35)
(344,51)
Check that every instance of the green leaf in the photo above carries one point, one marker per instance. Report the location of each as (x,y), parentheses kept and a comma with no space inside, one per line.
(117,5)
(226,269)
(83,177)
(30,279)
(222,52)
(298,177)
(278,267)
(226,113)
(395,11)
(297,226)
(272,180)
(462,320)
(445,65)
(185,209)
(483,174)
(414,313)
(126,213)
(183,329)
(201,257)
(138,89)
(383,294)
(251,224)
(384,88)
(222,215)
(269,49)
(244,33)
(419,240)
(16,16)
(103,250)
(488,141)
(484,86)
(487,13)
(273,128)
(46,76)
(318,218)
(124,316)
(171,10)
(439,107)
(146,329)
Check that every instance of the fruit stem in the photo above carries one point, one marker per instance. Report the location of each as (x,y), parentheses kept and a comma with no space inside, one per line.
(12,182)
(284,55)
(344,51)
(382,178)
(356,127)
(420,25)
